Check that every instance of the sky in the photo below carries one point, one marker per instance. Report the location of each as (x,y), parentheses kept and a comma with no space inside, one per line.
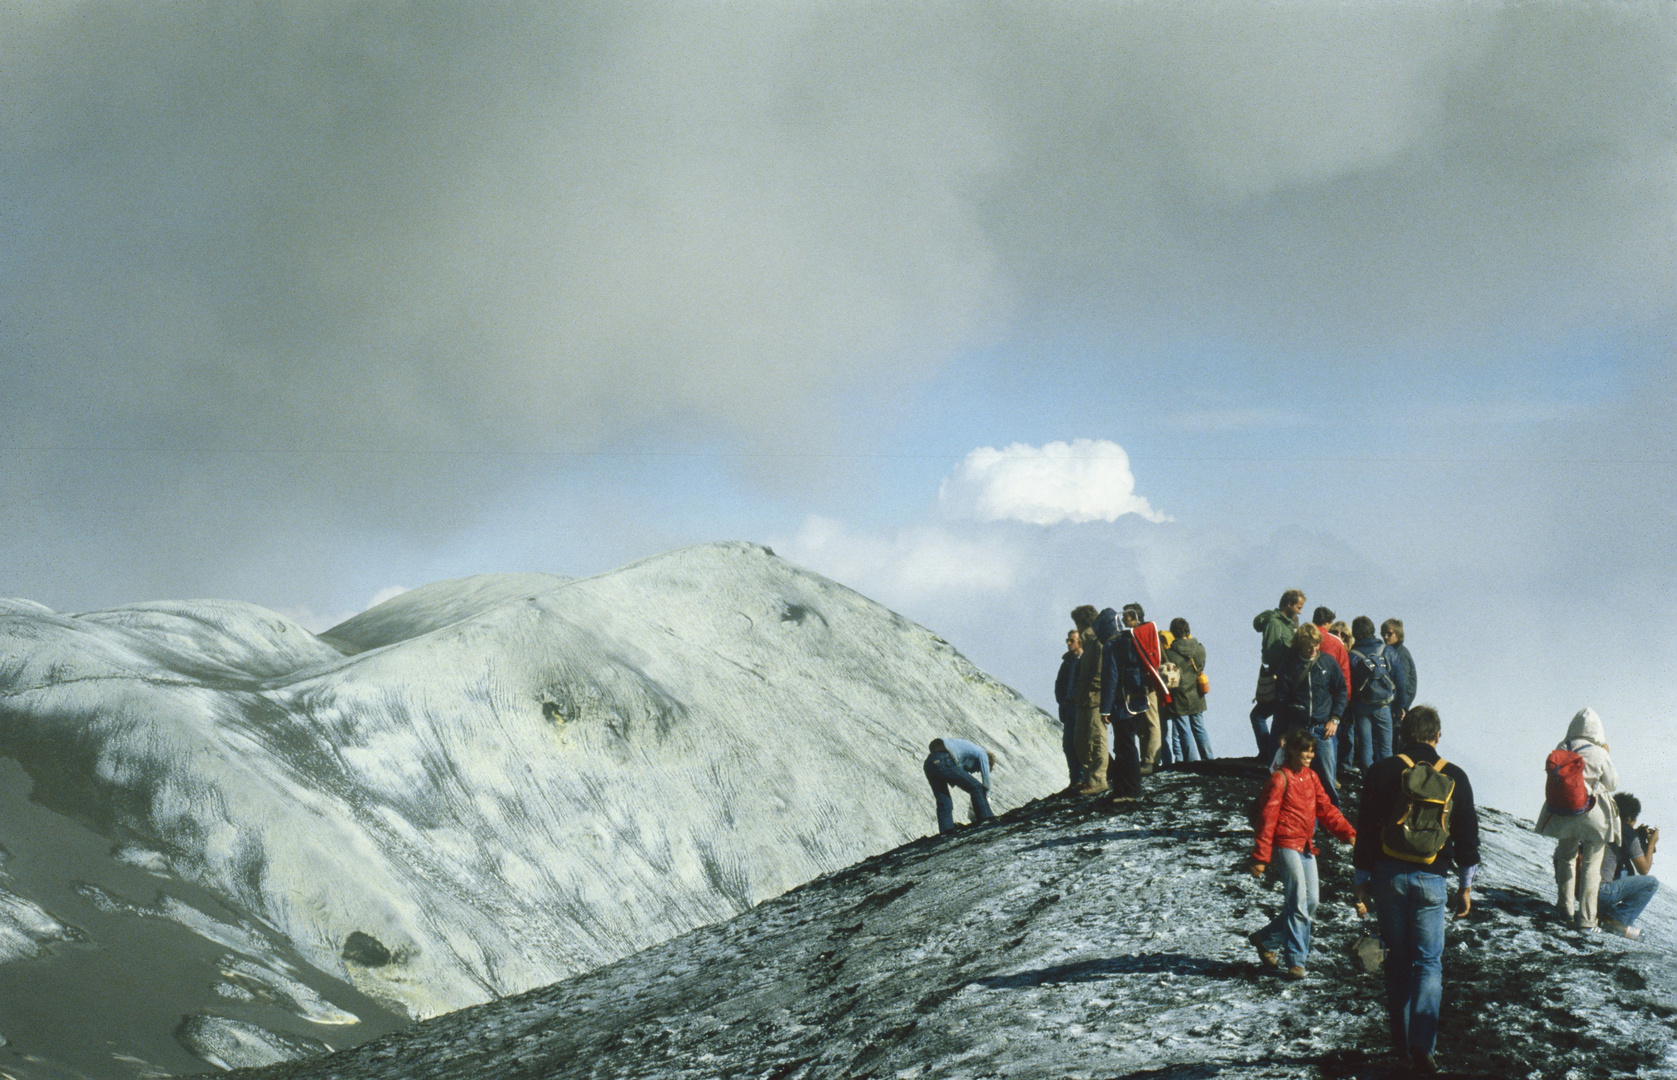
(983,310)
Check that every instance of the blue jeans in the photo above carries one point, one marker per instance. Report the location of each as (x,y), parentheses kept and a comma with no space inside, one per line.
(941,772)
(1410,906)
(1374,733)
(1267,743)
(1289,932)
(1327,761)
(1201,739)
(1624,900)
(1186,738)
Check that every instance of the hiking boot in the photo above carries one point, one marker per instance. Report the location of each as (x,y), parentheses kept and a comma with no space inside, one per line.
(1614,926)
(1265,957)
(1424,1062)
(1295,972)
(1087,789)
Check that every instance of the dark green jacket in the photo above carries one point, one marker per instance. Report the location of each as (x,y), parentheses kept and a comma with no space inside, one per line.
(1278,629)
(1189,656)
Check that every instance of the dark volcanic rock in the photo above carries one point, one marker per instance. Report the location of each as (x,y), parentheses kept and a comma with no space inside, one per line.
(366,950)
(1067,941)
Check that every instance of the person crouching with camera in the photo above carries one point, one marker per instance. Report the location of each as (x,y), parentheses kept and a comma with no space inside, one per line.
(1626,894)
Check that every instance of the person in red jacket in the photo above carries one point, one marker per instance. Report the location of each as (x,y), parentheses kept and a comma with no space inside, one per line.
(1293,802)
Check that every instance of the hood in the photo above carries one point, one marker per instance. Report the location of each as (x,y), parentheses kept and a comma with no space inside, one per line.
(1106,624)
(1261,620)
(1587,725)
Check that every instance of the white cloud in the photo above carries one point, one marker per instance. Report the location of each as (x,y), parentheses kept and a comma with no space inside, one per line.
(389,593)
(316,622)
(919,562)
(1080,481)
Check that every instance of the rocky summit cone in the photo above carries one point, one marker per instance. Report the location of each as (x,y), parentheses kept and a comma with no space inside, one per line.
(1069,940)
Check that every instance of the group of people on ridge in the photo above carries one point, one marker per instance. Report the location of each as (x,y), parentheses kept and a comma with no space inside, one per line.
(1131,697)
(1334,704)
(1347,686)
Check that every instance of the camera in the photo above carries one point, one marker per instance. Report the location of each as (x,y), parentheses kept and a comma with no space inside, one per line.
(1646,834)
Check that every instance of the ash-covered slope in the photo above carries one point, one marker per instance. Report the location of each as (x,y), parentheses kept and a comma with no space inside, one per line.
(506,786)
(1067,942)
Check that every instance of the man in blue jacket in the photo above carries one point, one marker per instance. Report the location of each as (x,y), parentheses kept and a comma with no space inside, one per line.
(1391,632)
(1310,693)
(1123,698)
(1410,896)
(1379,692)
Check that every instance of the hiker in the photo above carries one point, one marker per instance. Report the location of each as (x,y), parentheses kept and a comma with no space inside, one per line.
(1342,748)
(1310,694)
(1623,897)
(952,761)
(1293,802)
(1332,647)
(1391,632)
(1122,706)
(1415,827)
(1377,685)
(1145,690)
(1086,699)
(1588,824)
(1276,626)
(1185,715)
(1068,708)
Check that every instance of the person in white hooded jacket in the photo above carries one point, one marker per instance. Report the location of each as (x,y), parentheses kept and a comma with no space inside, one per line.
(1586,834)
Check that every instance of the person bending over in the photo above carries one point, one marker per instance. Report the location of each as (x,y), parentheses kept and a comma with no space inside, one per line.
(952,762)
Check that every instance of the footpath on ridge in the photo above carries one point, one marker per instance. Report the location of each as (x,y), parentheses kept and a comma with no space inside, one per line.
(1067,940)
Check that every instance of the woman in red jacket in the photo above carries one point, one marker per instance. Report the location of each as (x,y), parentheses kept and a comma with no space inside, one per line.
(1293,802)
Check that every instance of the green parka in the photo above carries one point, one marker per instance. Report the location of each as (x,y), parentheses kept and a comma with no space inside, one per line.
(1189,656)
(1278,629)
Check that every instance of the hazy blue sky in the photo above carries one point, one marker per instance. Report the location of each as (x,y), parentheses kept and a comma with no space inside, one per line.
(300,303)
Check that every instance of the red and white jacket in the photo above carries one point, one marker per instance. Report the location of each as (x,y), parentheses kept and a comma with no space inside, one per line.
(1293,803)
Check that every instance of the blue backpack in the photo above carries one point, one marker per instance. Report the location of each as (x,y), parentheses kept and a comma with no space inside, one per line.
(1373,677)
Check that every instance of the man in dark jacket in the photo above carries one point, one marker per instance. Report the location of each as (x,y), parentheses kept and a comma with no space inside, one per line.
(1276,626)
(1310,693)
(1391,632)
(1122,690)
(1410,896)
(1068,708)
(1086,700)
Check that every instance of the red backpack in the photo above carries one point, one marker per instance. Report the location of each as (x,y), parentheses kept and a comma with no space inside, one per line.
(1565,791)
